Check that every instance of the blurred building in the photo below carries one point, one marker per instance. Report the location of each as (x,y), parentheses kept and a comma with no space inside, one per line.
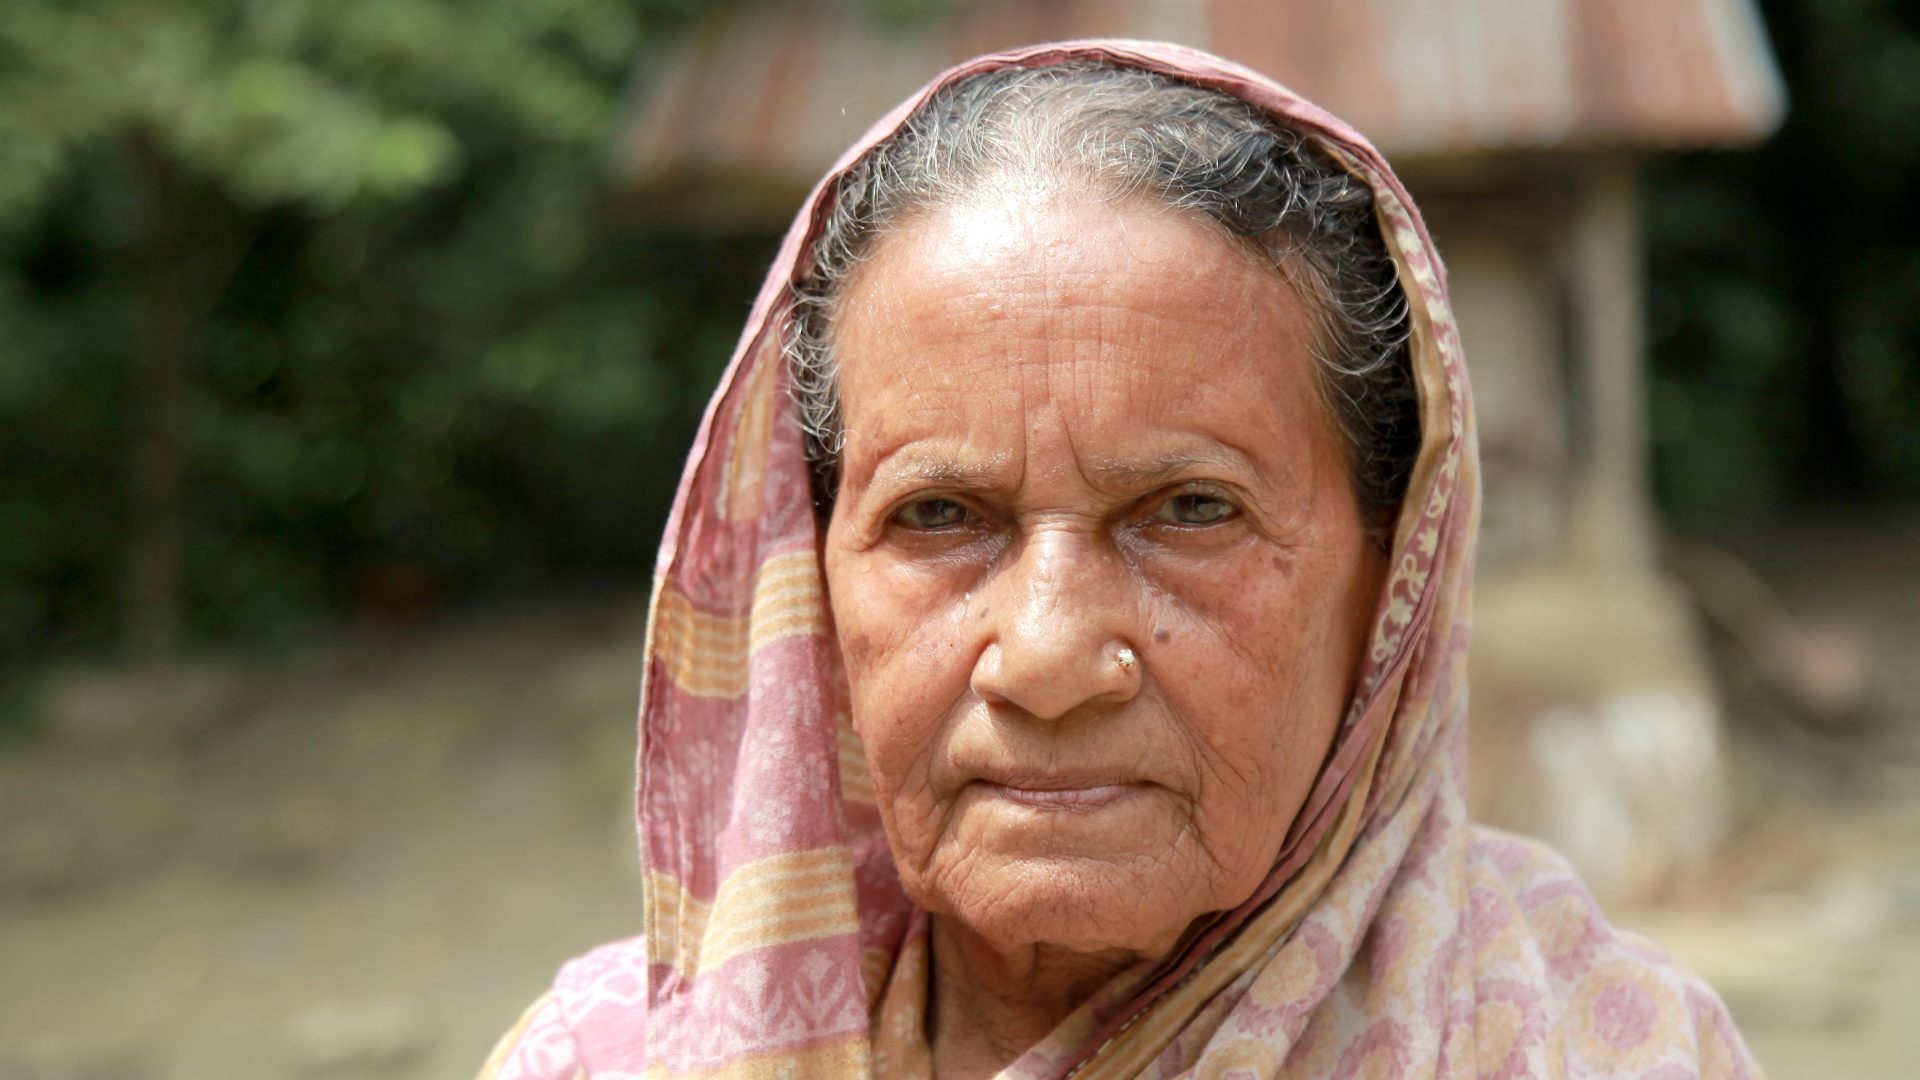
(1519,126)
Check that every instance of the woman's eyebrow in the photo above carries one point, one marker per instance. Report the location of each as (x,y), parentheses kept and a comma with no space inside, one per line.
(944,471)
(1154,471)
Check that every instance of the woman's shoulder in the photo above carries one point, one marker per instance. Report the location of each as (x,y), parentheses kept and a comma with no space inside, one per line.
(592,1022)
(1618,996)
(1516,883)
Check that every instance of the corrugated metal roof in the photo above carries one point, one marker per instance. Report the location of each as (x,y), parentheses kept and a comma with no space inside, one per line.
(775,91)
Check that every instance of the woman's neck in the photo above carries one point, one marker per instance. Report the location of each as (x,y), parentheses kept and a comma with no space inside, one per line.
(990,1004)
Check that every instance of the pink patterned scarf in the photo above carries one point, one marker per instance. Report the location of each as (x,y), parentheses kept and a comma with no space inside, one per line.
(1392,938)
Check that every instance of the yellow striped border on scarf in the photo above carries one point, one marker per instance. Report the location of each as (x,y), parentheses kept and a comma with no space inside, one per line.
(763,904)
(706,655)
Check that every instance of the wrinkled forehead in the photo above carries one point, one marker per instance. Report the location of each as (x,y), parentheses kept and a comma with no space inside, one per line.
(1116,324)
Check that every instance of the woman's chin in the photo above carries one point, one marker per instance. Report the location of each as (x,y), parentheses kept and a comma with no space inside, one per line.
(1072,906)
(1083,878)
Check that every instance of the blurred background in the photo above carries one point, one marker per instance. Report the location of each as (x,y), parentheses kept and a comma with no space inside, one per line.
(351,351)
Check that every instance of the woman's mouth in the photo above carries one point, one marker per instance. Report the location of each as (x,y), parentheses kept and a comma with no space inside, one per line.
(1062,797)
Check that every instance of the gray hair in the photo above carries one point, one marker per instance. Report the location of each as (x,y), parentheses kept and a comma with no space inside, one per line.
(1130,131)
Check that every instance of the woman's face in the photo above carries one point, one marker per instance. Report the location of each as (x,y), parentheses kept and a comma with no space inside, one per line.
(1073,428)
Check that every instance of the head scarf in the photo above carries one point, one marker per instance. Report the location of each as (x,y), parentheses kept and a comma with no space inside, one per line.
(1391,939)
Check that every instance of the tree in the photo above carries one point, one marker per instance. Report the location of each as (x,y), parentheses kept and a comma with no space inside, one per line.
(1786,282)
(148,151)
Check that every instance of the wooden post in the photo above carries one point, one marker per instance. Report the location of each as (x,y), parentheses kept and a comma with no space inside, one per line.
(1610,522)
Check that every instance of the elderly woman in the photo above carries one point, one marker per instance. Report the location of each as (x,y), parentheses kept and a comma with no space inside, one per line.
(1057,659)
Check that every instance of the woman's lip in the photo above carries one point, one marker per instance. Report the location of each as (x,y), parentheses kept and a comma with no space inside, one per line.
(1061,797)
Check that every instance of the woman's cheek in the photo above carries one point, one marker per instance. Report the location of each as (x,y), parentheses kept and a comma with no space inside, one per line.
(1237,654)
(906,666)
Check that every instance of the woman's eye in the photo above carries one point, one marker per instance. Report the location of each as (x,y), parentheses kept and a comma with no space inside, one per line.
(931,514)
(1194,510)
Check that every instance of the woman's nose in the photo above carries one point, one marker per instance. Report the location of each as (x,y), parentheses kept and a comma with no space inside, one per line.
(1057,616)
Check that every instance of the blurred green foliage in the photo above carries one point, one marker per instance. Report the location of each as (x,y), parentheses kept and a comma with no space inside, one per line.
(415,346)
(1785,283)
(314,307)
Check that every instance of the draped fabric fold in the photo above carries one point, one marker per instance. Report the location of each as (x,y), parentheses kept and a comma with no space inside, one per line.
(1391,938)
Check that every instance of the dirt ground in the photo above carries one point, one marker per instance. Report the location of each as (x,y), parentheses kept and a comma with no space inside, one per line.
(362,858)
(1808,922)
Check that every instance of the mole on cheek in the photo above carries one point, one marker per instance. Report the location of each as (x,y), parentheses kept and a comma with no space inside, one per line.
(1162,636)
(855,644)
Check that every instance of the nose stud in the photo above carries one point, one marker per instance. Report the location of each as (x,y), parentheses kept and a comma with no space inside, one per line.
(1126,659)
